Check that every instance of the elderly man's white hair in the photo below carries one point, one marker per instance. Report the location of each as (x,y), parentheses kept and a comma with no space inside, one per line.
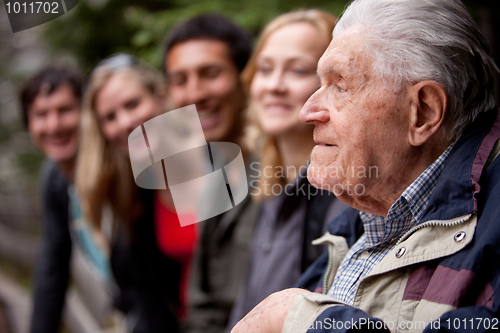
(416,40)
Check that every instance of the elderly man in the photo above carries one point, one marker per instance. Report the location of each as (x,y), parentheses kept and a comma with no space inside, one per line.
(407,89)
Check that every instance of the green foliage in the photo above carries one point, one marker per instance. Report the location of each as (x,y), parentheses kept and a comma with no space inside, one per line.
(29,162)
(91,33)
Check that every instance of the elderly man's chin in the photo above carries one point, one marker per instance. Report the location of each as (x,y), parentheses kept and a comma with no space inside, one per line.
(324,178)
(331,178)
(322,172)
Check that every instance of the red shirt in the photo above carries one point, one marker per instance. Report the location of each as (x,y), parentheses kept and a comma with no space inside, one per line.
(177,243)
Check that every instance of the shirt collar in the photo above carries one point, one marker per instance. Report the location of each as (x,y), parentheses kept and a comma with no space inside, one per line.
(407,210)
(419,192)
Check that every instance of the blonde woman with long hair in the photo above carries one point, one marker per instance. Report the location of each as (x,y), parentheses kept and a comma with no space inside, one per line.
(138,229)
(280,77)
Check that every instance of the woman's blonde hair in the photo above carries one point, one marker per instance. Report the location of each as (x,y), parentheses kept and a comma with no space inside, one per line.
(264,146)
(103,173)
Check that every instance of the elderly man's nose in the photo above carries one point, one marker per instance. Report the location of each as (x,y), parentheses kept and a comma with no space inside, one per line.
(312,111)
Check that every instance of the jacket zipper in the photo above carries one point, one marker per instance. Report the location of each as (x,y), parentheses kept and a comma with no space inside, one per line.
(328,269)
(434,223)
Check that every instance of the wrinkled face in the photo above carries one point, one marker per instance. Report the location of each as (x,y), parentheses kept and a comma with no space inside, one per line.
(286,77)
(53,122)
(123,104)
(201,72)
(360,123)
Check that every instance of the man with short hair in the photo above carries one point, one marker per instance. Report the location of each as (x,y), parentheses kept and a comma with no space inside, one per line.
(51,103)
(204,57)
(203,60)
(51,109)
(406,88)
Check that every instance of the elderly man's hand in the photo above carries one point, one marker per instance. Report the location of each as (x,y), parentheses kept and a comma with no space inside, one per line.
(270,314)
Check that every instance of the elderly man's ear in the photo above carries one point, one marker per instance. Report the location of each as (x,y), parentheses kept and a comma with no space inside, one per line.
(429,103)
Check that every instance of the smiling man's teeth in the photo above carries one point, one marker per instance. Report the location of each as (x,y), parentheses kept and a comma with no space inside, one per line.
(205,114)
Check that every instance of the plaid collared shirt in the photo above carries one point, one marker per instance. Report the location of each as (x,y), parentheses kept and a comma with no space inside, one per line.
(382,233)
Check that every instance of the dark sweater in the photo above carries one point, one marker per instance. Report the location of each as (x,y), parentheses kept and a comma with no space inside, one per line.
(52,270)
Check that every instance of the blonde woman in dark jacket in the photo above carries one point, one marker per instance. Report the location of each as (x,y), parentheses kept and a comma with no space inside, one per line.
(280,77)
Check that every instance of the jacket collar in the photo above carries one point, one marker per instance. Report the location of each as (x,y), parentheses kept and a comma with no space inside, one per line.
(456,191)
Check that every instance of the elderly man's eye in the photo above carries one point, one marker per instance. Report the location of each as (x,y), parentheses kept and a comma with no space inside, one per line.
(340,89)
